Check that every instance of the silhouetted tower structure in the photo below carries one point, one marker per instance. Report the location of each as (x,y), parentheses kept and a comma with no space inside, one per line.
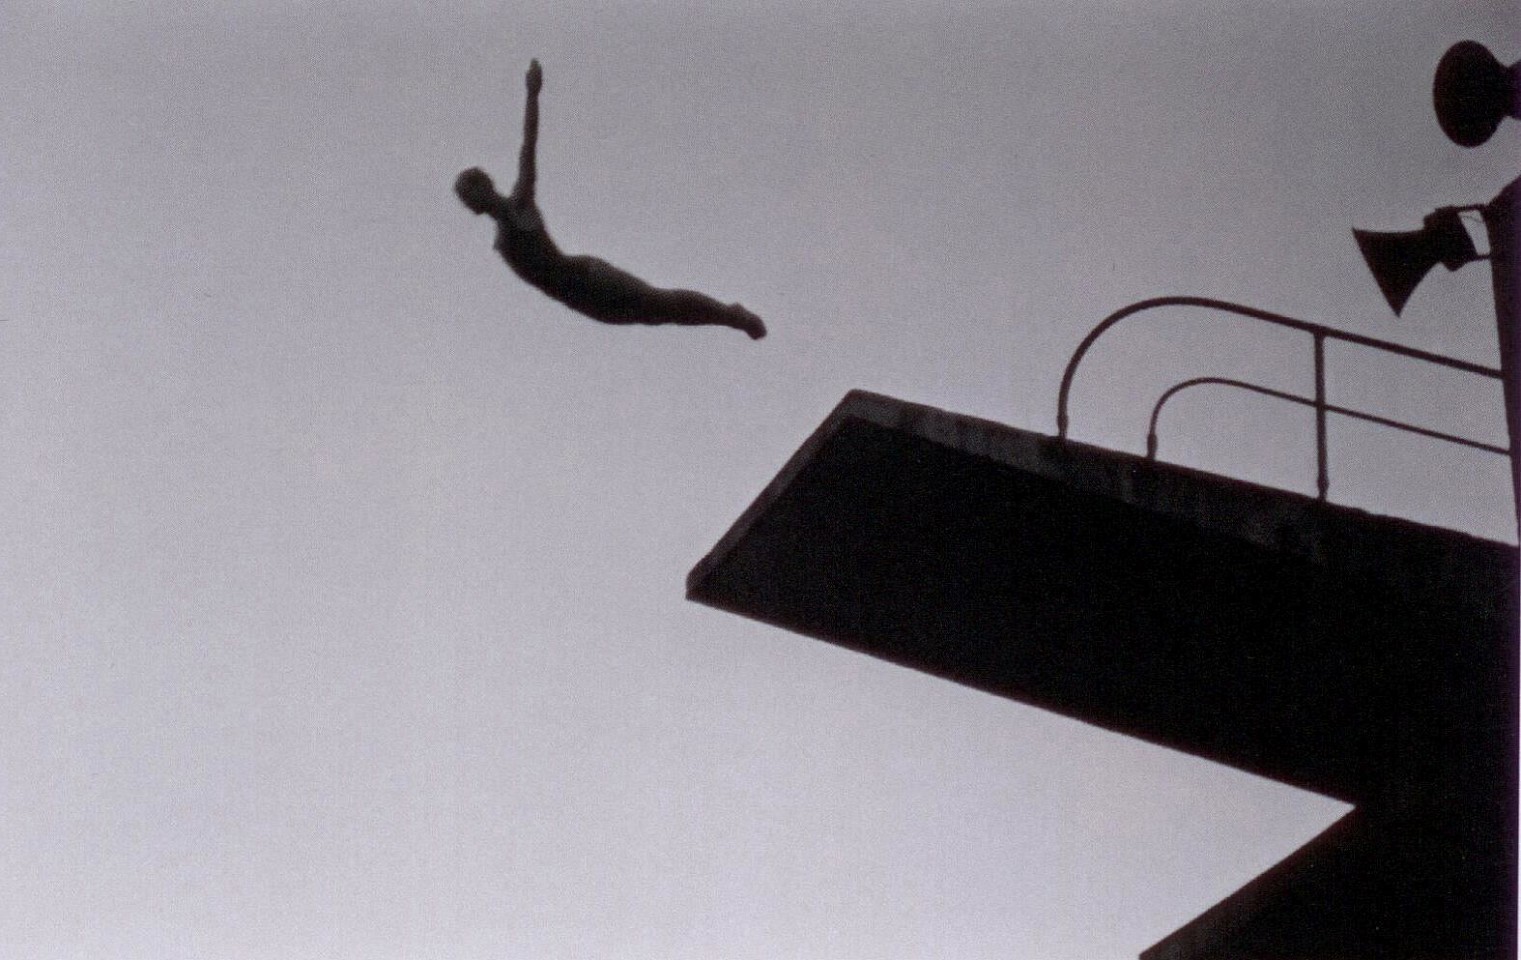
(1368,658)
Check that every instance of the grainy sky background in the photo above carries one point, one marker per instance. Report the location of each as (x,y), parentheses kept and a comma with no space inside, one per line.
(341,575)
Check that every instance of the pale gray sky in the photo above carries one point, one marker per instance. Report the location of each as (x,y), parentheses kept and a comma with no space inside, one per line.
(341,575)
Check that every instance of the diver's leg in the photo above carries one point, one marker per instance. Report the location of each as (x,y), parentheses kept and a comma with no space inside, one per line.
(596,288)
(690,308)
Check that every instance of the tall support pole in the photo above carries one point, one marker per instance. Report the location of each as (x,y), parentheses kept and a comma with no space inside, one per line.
(1501,222)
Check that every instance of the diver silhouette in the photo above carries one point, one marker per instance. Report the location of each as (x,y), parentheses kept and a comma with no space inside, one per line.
(585,284)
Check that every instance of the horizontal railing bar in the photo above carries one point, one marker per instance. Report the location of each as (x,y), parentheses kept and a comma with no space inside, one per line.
(1156,413)
(1412,428)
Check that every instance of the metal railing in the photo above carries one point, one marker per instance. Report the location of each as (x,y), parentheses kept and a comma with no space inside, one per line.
(1319,334)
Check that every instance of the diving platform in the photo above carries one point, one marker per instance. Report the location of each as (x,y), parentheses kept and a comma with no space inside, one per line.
(1364,657)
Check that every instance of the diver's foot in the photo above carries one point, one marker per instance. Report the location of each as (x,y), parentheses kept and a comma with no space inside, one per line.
(749,323)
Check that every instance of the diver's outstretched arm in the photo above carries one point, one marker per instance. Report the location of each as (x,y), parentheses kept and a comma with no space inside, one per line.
(527,171)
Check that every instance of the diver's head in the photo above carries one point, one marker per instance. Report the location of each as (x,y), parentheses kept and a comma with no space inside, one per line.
(475,189)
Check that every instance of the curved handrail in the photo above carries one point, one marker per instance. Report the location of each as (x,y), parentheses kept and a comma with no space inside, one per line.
(1156,413)
(1278,319)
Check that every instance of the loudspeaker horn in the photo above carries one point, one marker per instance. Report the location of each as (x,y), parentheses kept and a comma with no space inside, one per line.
(1399,261)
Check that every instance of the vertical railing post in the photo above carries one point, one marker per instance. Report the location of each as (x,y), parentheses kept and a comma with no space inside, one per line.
(1323,475)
